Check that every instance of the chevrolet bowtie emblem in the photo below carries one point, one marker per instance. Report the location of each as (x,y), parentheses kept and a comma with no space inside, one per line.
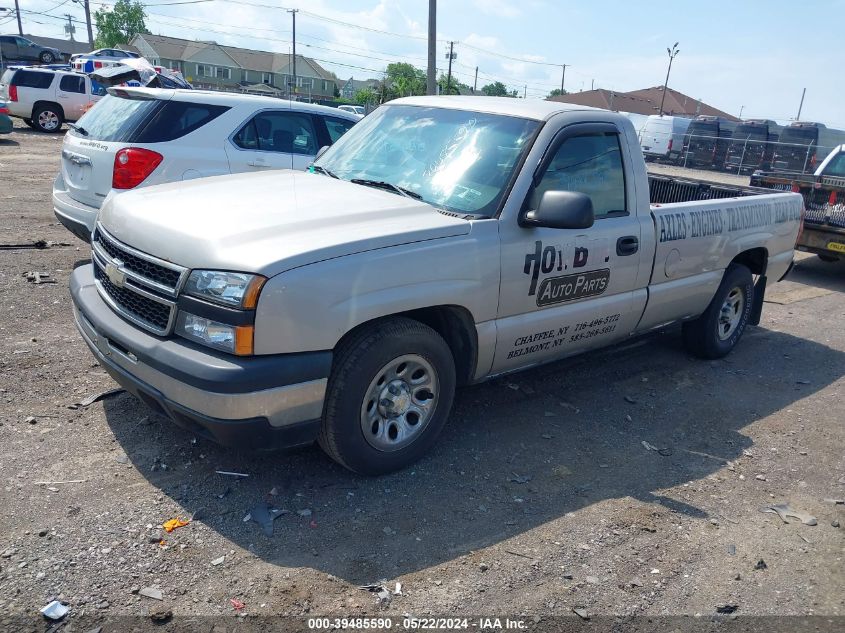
(115,273)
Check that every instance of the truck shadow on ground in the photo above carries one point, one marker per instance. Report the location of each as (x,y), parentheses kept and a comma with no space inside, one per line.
(812,271)
(518,452)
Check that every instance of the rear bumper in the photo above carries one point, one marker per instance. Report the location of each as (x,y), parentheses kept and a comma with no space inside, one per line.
(78,218)
(251,402)
(6,124)
(822,240)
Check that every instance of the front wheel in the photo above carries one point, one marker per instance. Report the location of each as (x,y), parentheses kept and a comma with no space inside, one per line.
(388,397)
(47,57)
(716,332)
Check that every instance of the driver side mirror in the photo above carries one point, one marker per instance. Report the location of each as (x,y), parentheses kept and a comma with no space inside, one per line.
(561,210)
(321,151)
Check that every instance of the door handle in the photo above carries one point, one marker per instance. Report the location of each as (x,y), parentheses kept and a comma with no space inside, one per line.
(258,162)
(627,245)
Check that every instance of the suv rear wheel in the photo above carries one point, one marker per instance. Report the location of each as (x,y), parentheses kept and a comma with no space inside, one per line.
(48,118)
(47,57)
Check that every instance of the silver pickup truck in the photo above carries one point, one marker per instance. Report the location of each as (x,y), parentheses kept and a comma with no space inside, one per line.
(442,241)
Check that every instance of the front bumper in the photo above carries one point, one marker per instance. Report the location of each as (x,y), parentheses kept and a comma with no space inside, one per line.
(77,217)
(249,402)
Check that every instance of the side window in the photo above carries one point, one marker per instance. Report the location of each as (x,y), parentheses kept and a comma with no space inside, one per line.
(337,127)
(71,83)
(284,132)
(178,118)
(247,137)
(589,164)
(32,79)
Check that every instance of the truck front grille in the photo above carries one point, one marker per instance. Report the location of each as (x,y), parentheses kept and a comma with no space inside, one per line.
(151,314)
(139,287)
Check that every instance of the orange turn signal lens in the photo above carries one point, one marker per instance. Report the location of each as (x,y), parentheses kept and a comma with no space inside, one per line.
(244,339)
(253,290)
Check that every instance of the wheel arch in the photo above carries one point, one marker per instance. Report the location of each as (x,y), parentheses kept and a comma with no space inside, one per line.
(46,102)
(754,259)
(453,322)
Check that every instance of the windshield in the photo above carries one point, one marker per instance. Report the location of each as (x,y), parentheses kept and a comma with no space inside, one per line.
(454,159)
(836,166)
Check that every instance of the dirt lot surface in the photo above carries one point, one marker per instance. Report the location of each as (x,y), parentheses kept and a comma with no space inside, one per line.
(625,482)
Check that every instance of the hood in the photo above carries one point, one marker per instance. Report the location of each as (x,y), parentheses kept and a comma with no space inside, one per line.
(268,222)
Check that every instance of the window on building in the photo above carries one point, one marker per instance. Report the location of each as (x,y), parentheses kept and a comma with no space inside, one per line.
(589,164)
(203,71)
(267,78)
(223,73)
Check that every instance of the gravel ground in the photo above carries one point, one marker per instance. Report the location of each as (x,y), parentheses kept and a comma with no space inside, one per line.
(542,495)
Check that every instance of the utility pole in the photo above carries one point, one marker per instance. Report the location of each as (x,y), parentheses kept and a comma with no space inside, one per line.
(293,13)
(673,53)
(475,83)
(525,92)
(85,5)
(801,105)
(741,108)
(451,55)
(18,13)
(70,29)
(592,84)
(431,73)
(563,77)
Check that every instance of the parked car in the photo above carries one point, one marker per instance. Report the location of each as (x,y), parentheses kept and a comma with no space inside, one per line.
(442,241)
(137,137)
(824,204)
(45,99)
(354,109)
(111,54)
(661,137)
(17,48)
(6,124)
(803,145)
(706,142)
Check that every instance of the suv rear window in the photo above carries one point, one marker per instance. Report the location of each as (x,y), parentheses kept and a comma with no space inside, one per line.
(32,79)
(144,120)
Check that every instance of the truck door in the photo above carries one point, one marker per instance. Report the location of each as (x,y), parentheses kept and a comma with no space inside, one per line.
(565,290)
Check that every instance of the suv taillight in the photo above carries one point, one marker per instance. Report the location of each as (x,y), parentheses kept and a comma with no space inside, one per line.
(669,148)
(13,93)
(132,165)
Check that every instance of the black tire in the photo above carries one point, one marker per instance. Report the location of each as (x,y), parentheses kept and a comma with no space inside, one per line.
(55,115)
(47,57)
(830,259)
(358,361)
(702,337)
(29,123)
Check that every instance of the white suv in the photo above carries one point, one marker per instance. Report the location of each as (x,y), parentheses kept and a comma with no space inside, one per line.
(137,137)
(46,98)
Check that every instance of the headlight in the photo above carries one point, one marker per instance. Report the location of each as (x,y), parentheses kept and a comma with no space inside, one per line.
(234,290)
(235,339)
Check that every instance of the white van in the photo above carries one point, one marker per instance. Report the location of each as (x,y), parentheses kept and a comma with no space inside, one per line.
(662,137)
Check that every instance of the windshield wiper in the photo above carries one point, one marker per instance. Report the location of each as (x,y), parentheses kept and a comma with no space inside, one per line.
(381,184)
(323,170)
(78,128)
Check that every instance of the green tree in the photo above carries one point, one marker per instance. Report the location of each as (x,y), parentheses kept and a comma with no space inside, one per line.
(120,24)
(557,92)
(366,95)
(404,80)
(497,89)
(457,87)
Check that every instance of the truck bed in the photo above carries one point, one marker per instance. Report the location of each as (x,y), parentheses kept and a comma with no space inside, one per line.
(668,190)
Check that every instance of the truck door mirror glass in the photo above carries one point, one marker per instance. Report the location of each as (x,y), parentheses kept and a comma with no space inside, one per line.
(321,151)
(561,210)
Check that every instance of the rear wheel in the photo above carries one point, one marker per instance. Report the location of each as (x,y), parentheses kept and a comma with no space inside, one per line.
(716,332)
(47,57)
(388,397)
(48,118)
